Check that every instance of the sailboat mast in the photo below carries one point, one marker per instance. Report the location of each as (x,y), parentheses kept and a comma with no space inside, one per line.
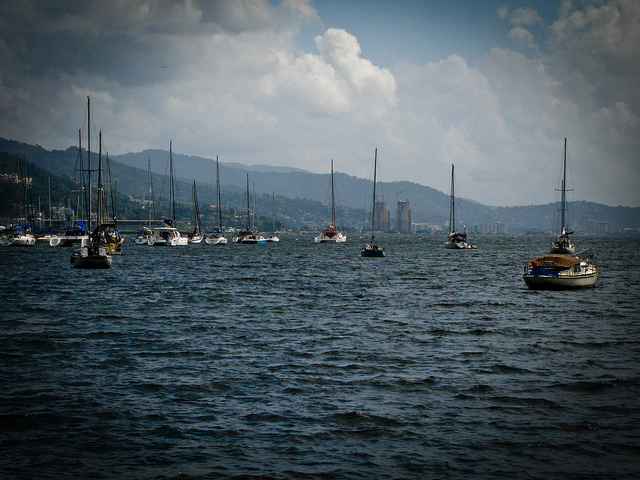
(218,193)
(564,185)
(333,205)
(172,206)
(151,198)
(248,211)
(452,211)
(89,160)
(99,212)
(373,206)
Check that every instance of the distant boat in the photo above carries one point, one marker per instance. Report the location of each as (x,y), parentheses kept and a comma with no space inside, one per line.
(559,272)
(562,244)
(96,251)
(70,236)
(246,235)
(455,240)
(216,237)
(274,237)
(195,236)
(372,249)
(142,237)
(168,235)
(331,234)
(17,236)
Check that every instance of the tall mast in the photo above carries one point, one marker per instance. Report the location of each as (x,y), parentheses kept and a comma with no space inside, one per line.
(100,209)
(563,186)
(172,207)
(373,207)
(248,211)
(333,207)
(218,193)
(151,199)
(89,159)
(452,212)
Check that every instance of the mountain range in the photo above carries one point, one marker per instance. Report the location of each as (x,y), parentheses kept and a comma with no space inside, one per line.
(427,204)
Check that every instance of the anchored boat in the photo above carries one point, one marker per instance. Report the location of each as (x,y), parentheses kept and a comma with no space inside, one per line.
(560,272)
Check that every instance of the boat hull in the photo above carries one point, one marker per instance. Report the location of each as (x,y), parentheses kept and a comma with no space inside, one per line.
(216,240)
(372,251)
(560,282)
(91,258)
(459,246)
(18,241)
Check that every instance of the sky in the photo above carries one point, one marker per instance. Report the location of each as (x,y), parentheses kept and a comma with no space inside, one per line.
(492,86)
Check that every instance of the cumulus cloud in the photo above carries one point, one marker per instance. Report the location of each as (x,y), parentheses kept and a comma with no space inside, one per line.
(337,81)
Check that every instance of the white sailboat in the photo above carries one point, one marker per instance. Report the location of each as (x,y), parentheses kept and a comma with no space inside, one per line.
(373,249)
(563,244)
(560,272)
(168,235)
(142,237)
(455,240)
(331,234)
(216,237)
(274,237)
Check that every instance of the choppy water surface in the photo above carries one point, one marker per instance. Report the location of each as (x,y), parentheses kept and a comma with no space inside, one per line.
(296,360)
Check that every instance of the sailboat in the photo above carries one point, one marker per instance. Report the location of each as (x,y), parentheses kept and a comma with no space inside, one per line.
(247,235)
(274,237)
(560,272)
(142,237)
(96,251)
(455,240)
(372,249)
(331,234)
(168,234)
(195,236)
(562,244)
(216,237)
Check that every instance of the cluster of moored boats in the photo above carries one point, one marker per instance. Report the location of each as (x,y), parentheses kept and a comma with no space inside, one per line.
(93,247)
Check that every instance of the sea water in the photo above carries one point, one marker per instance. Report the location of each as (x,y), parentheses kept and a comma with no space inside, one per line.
(295,360)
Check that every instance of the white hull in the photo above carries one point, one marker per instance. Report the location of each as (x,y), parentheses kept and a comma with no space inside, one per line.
(67,241)
(167,236)
(216,240)
(459,246)
(18,241)
(334,237)
(195,239)
(560,281)
(559,272)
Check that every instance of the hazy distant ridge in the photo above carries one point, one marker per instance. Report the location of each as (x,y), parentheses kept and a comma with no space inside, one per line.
(427,204)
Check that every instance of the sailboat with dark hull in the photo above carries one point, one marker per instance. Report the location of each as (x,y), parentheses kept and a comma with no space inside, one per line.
(196,236)
(562,244)
(331,234)
(247,235)
(373,249)
(96,251)
(455,240)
